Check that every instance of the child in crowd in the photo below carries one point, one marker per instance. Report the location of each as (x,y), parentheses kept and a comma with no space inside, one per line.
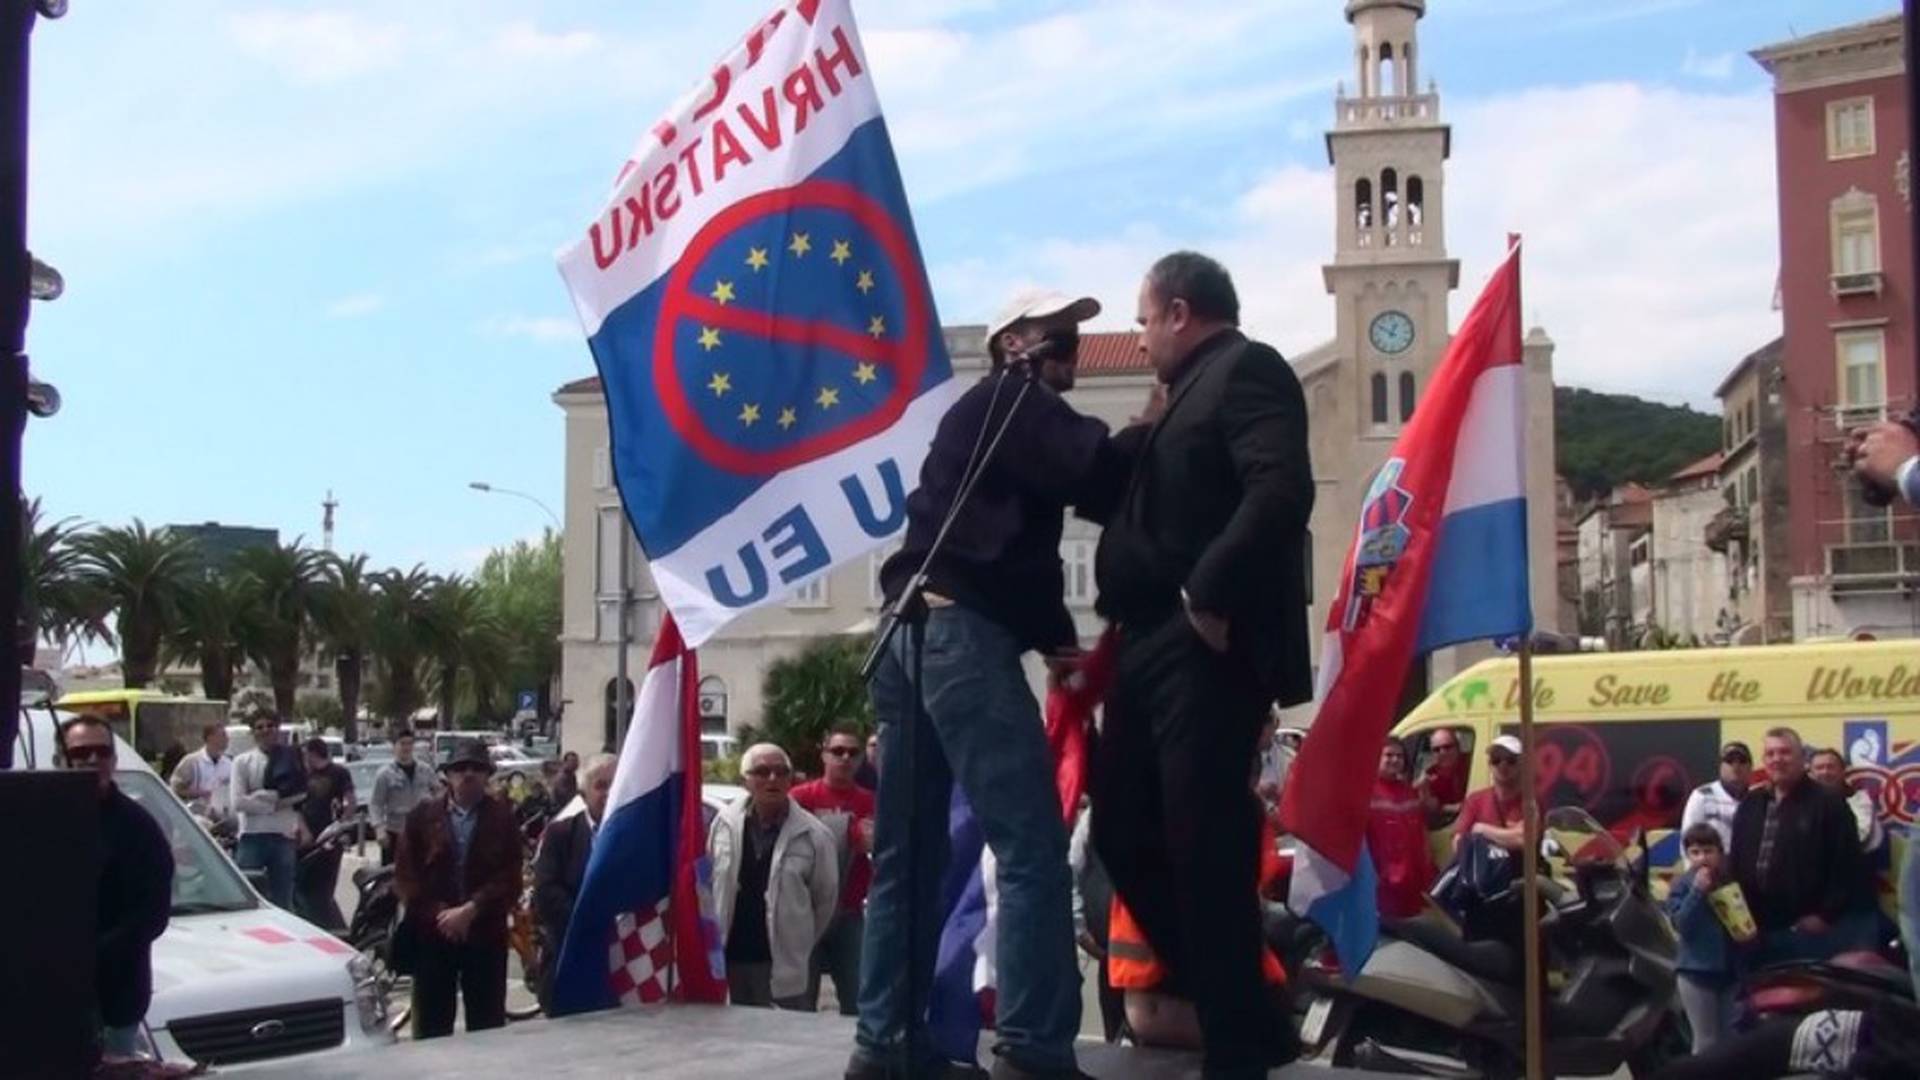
(1706,949)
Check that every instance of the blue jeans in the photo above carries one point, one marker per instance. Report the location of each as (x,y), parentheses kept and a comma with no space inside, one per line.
(986,733)
(274,854)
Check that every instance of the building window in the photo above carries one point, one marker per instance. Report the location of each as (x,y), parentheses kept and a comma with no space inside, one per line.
(1750,483)
(1749,427)
(1855,221)
(1866,524)
(812,594)
(610,529)
(1850,128)
(1390,203)
(602,470)
(1406,396)
(1076,559)
(1862,374)
(1416,208)
(1363,211)
(1379,386)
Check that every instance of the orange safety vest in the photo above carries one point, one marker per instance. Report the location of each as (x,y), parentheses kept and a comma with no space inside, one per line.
(1131,964)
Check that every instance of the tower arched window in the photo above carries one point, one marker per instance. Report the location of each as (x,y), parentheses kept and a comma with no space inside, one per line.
(1416,208)
(1363,208)
(1406,396)
(1407,70)
(1390,203)
(1386,82)
(1379,388)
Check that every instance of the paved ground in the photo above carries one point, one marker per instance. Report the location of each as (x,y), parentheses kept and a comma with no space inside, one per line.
(688,1043)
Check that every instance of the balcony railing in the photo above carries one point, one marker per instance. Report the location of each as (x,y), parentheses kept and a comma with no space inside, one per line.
(1864,283)
(1873,564)
(1410,109)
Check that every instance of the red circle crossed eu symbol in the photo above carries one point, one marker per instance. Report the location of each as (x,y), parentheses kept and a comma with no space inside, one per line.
(906,355)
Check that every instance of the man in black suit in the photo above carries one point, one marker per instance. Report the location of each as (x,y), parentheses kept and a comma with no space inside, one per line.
(560,865)
(1202,567)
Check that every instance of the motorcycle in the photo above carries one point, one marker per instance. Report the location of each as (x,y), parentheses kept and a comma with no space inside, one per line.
(1851,980)
(1432,1001)
(375,918)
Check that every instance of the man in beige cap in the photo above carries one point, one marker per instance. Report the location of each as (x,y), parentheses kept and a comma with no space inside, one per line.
(995,591)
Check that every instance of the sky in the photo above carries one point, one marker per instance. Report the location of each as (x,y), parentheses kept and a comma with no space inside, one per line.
(308,246)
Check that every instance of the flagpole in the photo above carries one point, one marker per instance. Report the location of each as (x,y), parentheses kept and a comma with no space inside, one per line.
(1530,865)
(1535,984)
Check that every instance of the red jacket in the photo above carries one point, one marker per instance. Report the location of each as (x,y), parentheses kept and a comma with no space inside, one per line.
(1397,838)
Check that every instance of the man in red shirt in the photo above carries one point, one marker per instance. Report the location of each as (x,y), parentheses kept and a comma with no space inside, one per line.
(1445,784)
(846,809)
(1496,812)
(1397,838)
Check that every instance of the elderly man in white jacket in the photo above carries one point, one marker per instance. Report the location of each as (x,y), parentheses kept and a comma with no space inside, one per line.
(775,883)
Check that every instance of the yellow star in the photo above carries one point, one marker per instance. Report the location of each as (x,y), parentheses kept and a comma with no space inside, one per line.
(749,414)
(723,292)
(842,251)
(865,282)
(801,244)
(709,338)
(757,258)
(864,374)
(829,397)
(787,418)
(720,384)
(877,326)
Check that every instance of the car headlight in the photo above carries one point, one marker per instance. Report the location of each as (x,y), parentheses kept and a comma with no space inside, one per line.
(369,996)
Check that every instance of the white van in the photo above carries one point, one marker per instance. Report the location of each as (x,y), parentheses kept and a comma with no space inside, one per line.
(237,982)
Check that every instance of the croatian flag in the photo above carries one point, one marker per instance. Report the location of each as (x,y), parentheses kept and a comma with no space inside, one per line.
(643,927)
(1439,557)
(757,306)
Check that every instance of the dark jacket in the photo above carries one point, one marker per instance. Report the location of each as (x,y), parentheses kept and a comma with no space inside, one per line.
(1816,867)
(1002,556)
(558,870)
(1218,504)
(136,900)
(424,868)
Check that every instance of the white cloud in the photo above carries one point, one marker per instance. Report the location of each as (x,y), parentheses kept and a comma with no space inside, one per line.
(352,307)
(1701,66)
(524,39)
(545,329)
(1649,216)
(318,46)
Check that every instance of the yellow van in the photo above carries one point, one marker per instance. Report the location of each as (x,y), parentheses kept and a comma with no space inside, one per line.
(1628,736)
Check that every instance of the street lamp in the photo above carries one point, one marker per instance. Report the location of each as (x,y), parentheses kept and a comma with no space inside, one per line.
(482,485)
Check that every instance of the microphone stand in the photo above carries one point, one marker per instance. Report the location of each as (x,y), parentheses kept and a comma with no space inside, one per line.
(910,609)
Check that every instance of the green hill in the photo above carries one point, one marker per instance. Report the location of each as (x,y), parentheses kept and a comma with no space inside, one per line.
(1604,440)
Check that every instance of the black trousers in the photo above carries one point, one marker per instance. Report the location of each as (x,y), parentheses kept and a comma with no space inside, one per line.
(476,971)
(1176,822)
(314,879)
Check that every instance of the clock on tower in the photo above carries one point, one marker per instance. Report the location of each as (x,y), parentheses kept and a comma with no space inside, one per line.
(1391,332)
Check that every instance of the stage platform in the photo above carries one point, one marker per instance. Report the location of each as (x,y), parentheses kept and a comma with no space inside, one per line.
(689,1043)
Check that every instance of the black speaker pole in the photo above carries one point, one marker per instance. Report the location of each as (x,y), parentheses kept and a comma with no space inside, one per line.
(16,36)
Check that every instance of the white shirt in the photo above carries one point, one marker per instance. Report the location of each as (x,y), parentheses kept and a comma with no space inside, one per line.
(259,806)
(206,781)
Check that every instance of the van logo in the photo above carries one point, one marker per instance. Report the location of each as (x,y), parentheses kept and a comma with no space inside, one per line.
(267,1029)
(1889,773)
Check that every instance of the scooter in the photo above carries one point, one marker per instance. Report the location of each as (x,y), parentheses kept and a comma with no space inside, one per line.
(1851,980)
(1432,1001)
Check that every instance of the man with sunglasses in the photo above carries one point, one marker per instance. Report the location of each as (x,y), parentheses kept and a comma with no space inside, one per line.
(268,808)
(996,592)
(135,897)
(1444,785)
(1714,804)
(846,809)
(1496,812)
(775,878)
(458,872)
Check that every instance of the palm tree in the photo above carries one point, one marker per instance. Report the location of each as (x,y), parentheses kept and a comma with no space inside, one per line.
(139,574)
(219,627)
(465,640)
(344,619)
(55,598)
(283,580)
(401,640)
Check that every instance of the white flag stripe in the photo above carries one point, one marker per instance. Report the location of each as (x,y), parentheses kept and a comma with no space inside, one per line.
(652,749)
(1489,465)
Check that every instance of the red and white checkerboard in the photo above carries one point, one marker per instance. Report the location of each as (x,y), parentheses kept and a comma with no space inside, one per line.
(641,957)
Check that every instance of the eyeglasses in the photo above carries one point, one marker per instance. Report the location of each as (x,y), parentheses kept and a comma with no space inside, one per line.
(1502,759)
(88,755)
(842,751)
(1736,759)
(456,770)
(768,772)
(1443,747)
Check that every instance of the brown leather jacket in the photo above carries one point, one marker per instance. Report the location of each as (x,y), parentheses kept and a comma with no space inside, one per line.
(425,865)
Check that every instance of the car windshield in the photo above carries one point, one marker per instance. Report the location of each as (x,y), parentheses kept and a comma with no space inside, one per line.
(203,880)
(1583,839)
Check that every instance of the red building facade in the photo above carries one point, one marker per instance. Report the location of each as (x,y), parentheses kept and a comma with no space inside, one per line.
(1847,302)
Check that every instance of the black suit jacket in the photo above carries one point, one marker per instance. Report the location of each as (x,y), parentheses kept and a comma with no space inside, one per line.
(558,869)
(1218,505)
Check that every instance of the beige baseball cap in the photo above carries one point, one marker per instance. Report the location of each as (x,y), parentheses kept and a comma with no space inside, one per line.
(1041,304)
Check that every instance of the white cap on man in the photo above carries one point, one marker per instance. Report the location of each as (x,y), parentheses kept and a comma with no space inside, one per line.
(1030,304)
(1509,743)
